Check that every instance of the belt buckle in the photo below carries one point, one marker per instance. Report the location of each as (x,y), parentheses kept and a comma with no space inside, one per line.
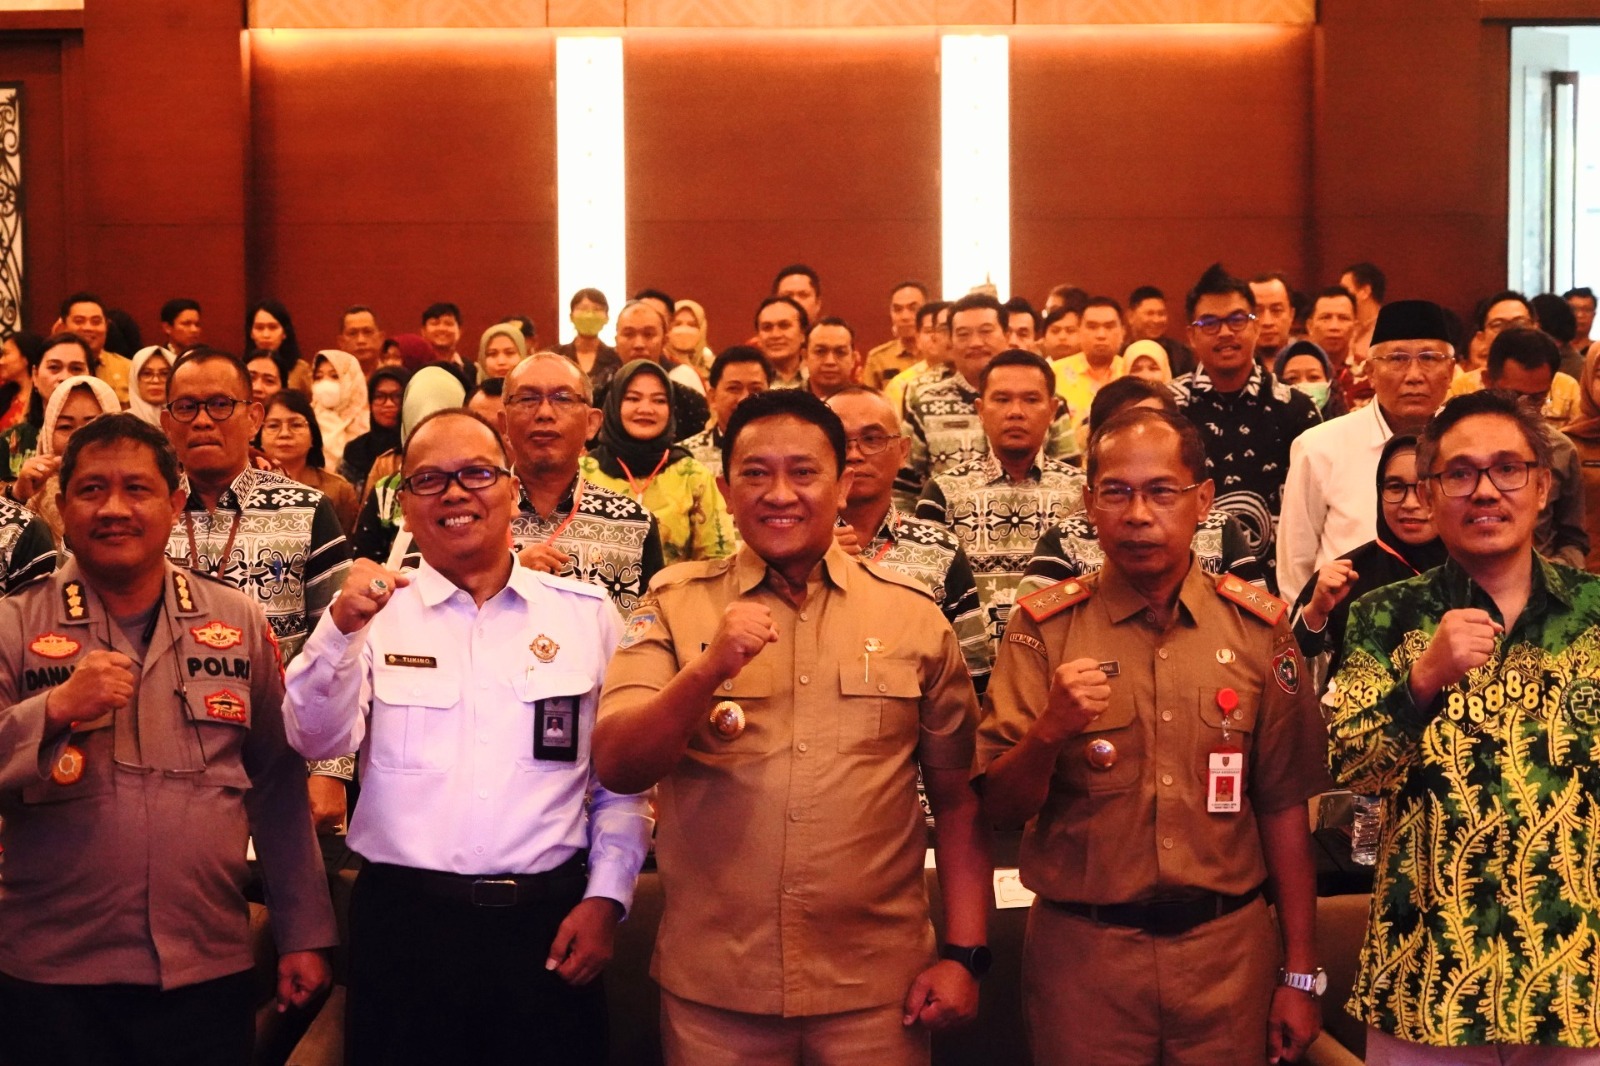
(494,892)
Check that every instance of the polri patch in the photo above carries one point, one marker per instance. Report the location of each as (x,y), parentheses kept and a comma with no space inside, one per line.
(54,646)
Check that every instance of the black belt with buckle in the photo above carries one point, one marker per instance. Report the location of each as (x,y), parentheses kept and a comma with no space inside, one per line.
(490,890)
(1170,917)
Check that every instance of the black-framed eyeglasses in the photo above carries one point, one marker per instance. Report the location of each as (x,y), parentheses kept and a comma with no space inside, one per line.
(1464,480)
(1211,325)
(562,401)
(217,408)
(871,443)
(471,478)
(1113,498)
(1396,491)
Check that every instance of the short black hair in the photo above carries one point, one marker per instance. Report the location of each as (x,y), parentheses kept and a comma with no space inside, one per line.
(1582,292)
(439,310)
(1501,402)
(1052,317)
(1555,317)
(775,403)
(594,296)
(1191,448)
(1529,347)
(67,337)
(798,268)
(205,354)
(656,294)
(524,325)
(1103,301)
(740,353)
(357,309)
(1333,292)
(1367,274)
(1480,314)
(81,298)
(768,301)
(832,320)
(1018,357)
(910,283)
(931,310)
(296,401)
(1216,281)
(1122,393)
(1071,297)
(455,412)
(173,308)
(109,429)
(1019,305)
(977,301)
(494,388)
(1143,293)
(1275,275)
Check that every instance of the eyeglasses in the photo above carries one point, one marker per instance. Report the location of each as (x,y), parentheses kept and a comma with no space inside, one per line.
(871,443)
(218,408)
(1113,498)
(154,375)
(471,478)
(1396,491)
(1406,360)
(1464,480)
(1211,325)
(1500,325)
(385,397)
(286,425)
(562,401)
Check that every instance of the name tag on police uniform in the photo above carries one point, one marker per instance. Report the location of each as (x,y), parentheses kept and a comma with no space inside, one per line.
(555,734)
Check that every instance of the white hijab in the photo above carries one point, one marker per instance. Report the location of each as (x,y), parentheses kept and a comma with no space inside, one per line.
(137,404)
(348,418)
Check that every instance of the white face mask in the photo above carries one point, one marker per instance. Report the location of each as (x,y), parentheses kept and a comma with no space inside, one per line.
(682,338)
(1317,390)
(325,393)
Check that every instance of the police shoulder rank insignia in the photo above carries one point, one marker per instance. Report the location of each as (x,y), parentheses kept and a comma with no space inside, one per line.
(638,624)
(1286,668)
(1263,605)
(72,601)
(544,649)
(215,634)
(1049,602)
(225,706)
(180,590)
(54,646)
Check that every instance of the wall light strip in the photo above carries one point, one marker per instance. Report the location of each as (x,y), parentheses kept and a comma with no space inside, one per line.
(975,184)
(591,189)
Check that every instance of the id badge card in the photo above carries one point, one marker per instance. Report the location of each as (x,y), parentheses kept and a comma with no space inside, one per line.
(1225,782)
(555,731)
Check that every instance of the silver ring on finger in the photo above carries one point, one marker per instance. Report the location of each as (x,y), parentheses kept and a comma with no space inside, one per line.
(378,586)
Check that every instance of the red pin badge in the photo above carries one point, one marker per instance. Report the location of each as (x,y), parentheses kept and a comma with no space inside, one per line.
(1227,701)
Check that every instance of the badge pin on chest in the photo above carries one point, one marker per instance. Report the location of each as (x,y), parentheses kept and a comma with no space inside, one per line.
(544,649)
(1225,656)
(872,647)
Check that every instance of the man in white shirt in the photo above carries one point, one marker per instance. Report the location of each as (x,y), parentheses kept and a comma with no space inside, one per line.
(1329,505)
(490,896)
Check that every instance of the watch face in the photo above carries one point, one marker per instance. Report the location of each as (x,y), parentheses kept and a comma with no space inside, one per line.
(1319,984)
(982,959)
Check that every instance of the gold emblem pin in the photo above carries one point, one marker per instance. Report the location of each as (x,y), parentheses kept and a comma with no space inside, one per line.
(1224,655)
(544,649)
(1101,754)
(727,720)
(68,768)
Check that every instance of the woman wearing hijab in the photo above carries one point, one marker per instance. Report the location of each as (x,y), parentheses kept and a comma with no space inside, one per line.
(339,396)
(385,392)
(1303,365)
(686,337)
(1147,360)
(75,403)
(1407,545)
(1585,434)
(433,388)
(269,328)
(147,383)
(635,456)
(500,349)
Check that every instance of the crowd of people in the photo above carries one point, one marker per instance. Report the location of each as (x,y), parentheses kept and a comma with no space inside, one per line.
(497,624)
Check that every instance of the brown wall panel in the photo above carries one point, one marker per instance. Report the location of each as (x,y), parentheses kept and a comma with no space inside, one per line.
(397,168)
(1141,155)
(750,150)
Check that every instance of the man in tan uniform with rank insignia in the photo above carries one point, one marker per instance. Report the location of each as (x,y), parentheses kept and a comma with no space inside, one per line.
(141,742)
(1156,729)
(784,699)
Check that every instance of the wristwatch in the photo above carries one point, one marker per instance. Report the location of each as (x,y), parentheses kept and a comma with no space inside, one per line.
(977,960)
(1314,984)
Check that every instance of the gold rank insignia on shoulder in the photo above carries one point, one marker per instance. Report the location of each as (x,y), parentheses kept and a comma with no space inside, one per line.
(727,720)
(1263,605)
(72,601)
(180,589)
(544,649)
(1046,603)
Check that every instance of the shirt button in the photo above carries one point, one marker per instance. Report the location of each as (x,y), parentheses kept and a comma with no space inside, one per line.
(483,738)
(1166,716)
(483,793)
(788,890)
(805,680)
(803,616)
(478,849)
(882,687)
(1166,842)
(1150,616)
(727,686)
(1162,652)
(794,816)
(803,747)
(1166,779)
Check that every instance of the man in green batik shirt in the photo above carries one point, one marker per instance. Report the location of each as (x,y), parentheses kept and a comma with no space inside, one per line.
(1469,700)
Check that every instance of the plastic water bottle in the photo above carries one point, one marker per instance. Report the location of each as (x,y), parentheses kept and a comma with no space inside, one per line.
(1367,815)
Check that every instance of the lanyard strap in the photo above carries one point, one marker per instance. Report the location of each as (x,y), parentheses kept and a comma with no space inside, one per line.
(227,549)
(1397,555)
(577,498)
(638,493)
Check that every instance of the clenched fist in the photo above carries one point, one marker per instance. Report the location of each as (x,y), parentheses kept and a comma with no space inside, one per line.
(1464,641)
(358,601)
(846,538)
(102,683)
(545,558)
(1334,583)
(745,630)
(1080,692)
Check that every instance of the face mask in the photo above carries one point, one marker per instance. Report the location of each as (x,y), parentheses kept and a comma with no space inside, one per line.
(682,338)
(325,393)
(589,323)
(1317,390)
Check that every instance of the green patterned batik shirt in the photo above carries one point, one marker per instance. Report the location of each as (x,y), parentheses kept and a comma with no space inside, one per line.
(1486,911)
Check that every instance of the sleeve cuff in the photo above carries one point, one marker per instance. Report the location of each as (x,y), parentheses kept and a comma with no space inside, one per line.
(612,880)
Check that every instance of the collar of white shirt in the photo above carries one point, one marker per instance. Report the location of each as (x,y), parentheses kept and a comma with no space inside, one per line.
(434,588)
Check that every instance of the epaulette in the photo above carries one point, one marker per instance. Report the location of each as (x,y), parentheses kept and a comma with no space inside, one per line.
(685,572)
(1049,602)
(890,576)
(1264,605)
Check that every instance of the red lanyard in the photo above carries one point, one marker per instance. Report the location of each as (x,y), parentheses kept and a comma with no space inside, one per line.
(577,498)
(888,542)
(227,549)
(638,493)
(1397,555)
